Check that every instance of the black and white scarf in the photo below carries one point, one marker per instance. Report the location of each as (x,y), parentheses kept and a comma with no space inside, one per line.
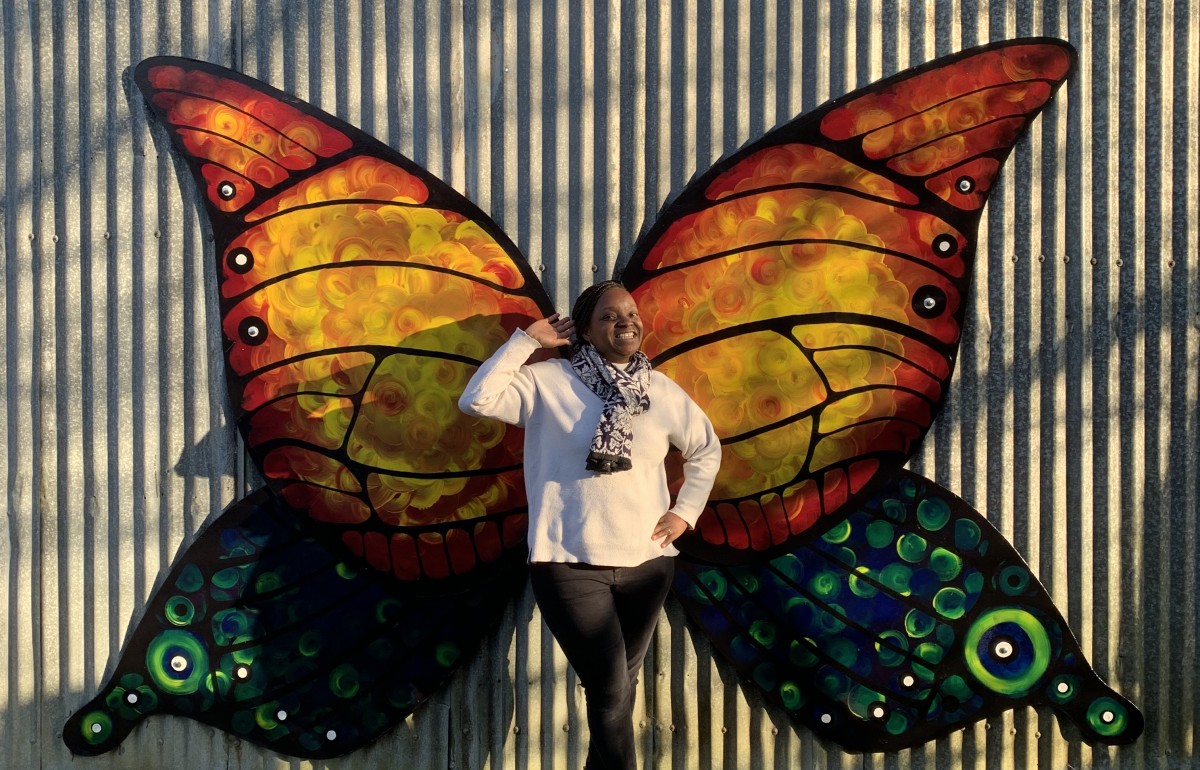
(625,393)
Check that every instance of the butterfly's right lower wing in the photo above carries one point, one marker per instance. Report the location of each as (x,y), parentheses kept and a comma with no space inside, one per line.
(908,619)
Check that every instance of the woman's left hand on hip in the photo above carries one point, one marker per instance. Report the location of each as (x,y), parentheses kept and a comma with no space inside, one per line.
(669,528)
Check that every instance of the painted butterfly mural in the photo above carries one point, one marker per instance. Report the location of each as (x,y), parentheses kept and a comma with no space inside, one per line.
(807,291)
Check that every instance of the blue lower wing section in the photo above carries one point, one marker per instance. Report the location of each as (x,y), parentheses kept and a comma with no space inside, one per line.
(264,631)
(908,619)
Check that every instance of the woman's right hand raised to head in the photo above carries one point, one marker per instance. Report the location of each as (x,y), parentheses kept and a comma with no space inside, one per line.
(553,331)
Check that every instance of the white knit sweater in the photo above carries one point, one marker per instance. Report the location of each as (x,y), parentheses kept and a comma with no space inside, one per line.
(576,515)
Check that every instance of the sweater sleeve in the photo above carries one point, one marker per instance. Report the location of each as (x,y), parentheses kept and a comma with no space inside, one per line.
(696,439)
(502,387)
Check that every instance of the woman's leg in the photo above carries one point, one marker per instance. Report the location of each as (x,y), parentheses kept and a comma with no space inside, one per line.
(640,592)
(585,608)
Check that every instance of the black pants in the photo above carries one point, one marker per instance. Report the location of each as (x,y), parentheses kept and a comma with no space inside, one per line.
(604,618)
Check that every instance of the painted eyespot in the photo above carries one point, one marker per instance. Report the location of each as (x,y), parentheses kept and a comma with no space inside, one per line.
(1107,716)
(177,662)
(240,261)
(964,184)
(929,301)
(96,728)
(253,331)
(226,191)
(945,245)
(1008,650)
(1063,688)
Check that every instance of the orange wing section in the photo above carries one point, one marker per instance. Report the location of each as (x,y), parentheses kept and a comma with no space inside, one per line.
(358,295)
(963,116)
(808,291)
(243,140)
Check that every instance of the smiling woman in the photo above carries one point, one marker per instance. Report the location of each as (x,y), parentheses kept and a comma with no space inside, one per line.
(601,522)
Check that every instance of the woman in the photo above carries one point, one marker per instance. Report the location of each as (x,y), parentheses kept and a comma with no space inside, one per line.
(601,523)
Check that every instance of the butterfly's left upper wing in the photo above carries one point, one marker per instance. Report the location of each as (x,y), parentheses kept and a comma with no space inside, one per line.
(808,291)
(358,295)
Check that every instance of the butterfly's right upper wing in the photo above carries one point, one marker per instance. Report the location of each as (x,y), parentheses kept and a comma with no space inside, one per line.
(808,291)
(358,295)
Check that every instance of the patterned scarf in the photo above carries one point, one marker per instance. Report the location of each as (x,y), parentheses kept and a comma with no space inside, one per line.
(625,393)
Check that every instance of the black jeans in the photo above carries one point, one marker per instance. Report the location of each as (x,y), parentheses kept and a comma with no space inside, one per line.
(604,618)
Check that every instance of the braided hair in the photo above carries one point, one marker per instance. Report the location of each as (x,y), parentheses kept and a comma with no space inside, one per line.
(581,312)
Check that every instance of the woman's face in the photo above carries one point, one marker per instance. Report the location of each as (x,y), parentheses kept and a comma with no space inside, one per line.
(615,328)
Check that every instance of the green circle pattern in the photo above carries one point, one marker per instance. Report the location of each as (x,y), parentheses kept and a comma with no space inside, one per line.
(918,624)
(1107,716)
(933,513)
(1063,689)
(912,547)
(826,585)
(179,610)
(1013,580)
(880,534)
(764,632)
(344,681)
(838,533)
(791,695)
(170,646)
(950,603)
(945,565)
(897,576)
(860,587)
(1039,639)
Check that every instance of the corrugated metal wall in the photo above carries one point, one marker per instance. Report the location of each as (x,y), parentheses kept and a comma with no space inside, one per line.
(1074,422)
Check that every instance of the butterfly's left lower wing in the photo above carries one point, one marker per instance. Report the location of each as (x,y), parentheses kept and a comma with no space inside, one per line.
(270,634)
(910,618)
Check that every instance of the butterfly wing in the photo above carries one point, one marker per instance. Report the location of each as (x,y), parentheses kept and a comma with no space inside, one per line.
(358,294)
(907,619)
(808,291)
(269,633)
